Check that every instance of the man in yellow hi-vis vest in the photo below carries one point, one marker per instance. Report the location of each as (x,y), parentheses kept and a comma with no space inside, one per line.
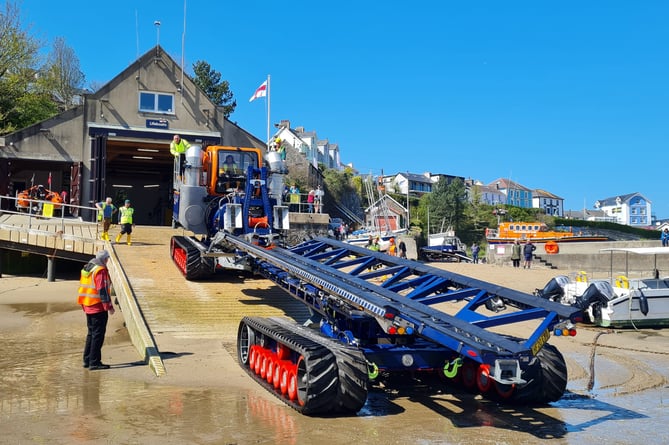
(126,221)
(95,300)
(178,148)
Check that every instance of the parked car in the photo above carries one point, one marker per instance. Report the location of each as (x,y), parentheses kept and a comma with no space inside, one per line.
(335,223)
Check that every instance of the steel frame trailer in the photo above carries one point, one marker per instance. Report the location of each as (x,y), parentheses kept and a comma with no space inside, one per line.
(377,321)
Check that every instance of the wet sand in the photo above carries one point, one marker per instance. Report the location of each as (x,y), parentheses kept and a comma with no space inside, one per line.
(206,398)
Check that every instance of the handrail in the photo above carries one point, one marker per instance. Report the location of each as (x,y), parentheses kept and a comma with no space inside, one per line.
(32,216)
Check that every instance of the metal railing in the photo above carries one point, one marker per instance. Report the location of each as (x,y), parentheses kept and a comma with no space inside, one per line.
(39,210)
(300,204)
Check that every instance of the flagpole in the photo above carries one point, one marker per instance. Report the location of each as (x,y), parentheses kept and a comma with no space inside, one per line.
(268,111)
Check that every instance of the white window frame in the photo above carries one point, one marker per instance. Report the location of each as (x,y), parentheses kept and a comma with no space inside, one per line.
(156,96)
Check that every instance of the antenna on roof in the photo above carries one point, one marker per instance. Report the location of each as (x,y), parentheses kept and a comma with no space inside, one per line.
(183,56)
(137,32)
(157,24)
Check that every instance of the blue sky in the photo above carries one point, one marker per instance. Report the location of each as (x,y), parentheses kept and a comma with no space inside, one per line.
(571,97)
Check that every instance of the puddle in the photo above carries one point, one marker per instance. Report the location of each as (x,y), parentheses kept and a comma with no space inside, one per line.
(47,397)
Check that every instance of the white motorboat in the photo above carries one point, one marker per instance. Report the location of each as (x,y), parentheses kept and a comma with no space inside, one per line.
(445,246)
(618,302)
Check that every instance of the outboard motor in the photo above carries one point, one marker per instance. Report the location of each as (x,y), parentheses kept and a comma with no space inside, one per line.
(554,289)
(598,292)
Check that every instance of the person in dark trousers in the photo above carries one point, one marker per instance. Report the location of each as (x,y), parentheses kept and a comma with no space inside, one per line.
(475,253)
(515,253)
(126,222)
(95,300)
(402,247)
(665,238)
(528,252)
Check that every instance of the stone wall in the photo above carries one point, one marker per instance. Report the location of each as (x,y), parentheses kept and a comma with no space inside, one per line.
(588,257)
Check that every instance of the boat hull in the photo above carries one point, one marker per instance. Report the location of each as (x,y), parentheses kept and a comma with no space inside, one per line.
(566,239)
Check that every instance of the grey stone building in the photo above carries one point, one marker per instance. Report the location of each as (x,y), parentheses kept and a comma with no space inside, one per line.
(116,143)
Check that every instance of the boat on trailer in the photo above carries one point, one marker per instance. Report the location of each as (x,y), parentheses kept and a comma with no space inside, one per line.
(617,302)
(445,246)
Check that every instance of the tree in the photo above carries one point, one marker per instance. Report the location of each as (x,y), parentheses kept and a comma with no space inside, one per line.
(62,74)
(445,205)
(23,99)
(209,81)
(17,49)
(342,193)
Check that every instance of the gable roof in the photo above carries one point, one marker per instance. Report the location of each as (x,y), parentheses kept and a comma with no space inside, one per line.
(540,193)
(506,184)
(416,177)
(612,201)
(391,203)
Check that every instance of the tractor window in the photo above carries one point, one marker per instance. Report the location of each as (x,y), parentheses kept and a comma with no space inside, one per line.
(229,165)
(236,163)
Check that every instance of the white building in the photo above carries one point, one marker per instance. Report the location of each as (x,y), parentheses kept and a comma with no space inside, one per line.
(632,209)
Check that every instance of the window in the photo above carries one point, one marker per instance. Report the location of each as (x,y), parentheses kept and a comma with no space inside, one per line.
(156,102)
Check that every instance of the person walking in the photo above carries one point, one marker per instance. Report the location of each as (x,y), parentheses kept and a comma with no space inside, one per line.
(392,248)
(178,148)
(310,200)
(106,211)
(126,222)
(515,253)
(475,253)
(665,238)
(402,247)
(95,300)
(528,252)
(318,199)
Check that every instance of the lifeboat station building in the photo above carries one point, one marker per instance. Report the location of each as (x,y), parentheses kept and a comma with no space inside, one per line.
(116,143)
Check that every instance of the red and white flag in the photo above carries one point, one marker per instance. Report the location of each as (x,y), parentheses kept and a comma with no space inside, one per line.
(48,181)
(260,92)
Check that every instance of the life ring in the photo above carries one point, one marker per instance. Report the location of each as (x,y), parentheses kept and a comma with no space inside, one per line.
(622,281)
(551,247)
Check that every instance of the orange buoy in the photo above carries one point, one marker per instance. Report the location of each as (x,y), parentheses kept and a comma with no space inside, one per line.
(551,247)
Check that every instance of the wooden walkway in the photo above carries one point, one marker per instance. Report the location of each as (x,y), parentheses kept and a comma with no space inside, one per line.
(67,238)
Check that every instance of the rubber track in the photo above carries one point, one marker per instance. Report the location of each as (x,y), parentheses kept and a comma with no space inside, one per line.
(336,375)
(196,266)
(351,365)
(546,378)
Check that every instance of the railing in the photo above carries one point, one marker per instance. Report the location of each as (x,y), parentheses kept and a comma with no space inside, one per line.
(38,211)
(300,204)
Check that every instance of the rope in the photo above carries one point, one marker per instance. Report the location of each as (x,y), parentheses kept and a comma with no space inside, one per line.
(591,382)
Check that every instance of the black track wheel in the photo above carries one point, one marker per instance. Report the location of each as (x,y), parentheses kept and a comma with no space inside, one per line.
(331,378)
(197,267)
(245,339)
(546,378)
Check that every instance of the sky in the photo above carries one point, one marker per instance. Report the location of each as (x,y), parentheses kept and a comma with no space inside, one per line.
(571,97)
